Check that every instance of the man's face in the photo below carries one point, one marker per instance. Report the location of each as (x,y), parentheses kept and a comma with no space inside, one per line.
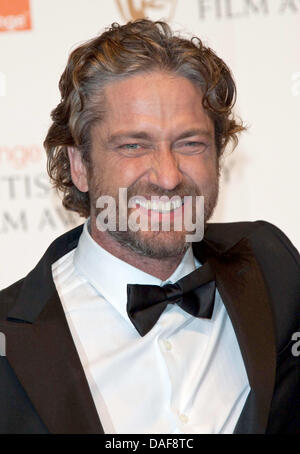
(154,140)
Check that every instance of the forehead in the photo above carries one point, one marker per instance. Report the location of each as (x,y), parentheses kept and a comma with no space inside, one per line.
(156,97)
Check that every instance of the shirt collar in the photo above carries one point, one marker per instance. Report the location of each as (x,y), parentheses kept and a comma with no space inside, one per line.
(109,275)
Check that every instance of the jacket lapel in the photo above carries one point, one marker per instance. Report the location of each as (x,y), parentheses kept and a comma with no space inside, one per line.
(242,288)
(41,351)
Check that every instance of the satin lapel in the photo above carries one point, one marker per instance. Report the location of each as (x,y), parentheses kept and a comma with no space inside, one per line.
(47,365)
(241,285)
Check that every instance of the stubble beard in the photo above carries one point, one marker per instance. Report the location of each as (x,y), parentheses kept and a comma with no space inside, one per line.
(156,244)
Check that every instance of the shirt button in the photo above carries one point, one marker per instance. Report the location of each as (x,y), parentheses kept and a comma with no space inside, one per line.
(168,345)
(183,418)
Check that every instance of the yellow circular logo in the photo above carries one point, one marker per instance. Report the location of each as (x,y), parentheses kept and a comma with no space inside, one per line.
(150,9)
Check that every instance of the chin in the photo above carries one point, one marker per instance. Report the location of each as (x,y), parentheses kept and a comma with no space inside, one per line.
(156,245)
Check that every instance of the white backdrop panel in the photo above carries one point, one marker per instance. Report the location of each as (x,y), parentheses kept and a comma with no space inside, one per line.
(260,41)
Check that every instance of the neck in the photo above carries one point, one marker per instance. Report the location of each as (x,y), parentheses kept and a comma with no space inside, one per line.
(160,268)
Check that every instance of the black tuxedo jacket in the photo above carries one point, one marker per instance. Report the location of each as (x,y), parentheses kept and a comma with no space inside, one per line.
(43,388)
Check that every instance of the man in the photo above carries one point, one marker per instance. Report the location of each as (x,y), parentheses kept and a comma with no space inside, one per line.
(126,330)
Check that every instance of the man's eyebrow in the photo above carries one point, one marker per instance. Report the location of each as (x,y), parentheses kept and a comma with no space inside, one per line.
(129,135)
(195,132)
(146,136)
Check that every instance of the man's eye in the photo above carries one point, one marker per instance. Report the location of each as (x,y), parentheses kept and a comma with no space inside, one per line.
(192,147)
(195,144)
(130,146)
(134,149)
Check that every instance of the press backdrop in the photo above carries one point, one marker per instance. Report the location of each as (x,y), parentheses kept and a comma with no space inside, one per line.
(260,41)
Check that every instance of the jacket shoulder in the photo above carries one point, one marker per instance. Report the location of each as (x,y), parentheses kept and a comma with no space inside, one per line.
(279,262)
(8,297)
(272,239)
(59,247)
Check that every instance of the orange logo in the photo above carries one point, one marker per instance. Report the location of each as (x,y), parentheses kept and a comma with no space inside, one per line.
(151,9)
(20,155)
(14,15)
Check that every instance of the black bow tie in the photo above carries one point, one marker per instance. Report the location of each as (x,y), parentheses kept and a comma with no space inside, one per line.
(195,293)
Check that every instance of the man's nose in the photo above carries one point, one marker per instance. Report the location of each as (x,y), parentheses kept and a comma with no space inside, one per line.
(165,171)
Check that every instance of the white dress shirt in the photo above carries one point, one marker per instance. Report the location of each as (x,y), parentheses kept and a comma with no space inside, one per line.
(186,375)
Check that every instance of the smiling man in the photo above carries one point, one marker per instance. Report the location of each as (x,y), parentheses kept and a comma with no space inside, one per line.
(131,327)
(155,140)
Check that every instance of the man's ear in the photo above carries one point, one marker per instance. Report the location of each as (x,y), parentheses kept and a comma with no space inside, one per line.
(78,169)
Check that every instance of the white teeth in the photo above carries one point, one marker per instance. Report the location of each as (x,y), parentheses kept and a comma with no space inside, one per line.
(163,207)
